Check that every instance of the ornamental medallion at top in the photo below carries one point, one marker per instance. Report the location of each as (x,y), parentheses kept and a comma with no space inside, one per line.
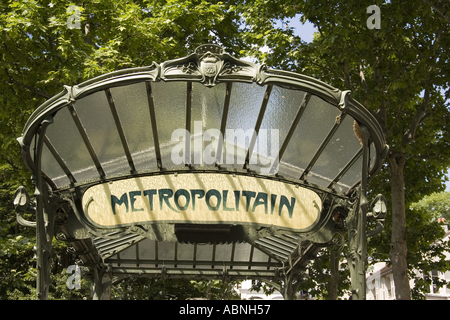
(209,64)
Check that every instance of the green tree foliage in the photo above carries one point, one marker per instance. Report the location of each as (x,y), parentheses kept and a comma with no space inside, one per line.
(435,206)
(427,249)
(172,289)
(16,244)
(319,280)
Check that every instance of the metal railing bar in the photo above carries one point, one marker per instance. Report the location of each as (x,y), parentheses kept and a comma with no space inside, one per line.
(188,124)
(194,257)
(193,272)
(214,256)
(119,127)
(121,241)
(137,254)
(269,261)
(274,247)
(175,258)
(282,242)
(297,118)
(198,263)
(259,120)
(346,167)
(274,250)
(156,252)
(250,261)
(233,249)
(223,123)
(86,141)
(58,159)
(289,238)
(151,107)
(339,120)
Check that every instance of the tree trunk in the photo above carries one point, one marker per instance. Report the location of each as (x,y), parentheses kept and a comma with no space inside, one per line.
(399,248)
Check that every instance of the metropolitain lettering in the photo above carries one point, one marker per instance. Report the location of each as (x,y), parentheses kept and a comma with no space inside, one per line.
(216,200)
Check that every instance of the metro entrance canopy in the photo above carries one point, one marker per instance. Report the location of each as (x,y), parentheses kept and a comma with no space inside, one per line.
(203,167)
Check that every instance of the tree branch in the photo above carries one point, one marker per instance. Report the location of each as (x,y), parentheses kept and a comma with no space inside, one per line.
(330,70)
(11,163)
(33,89)
(348,83)
(408,137)
(395,154)
(400,109)
(382,118)
(27,87)
(439,10)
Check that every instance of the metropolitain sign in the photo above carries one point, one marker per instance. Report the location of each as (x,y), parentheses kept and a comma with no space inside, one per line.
(208,198)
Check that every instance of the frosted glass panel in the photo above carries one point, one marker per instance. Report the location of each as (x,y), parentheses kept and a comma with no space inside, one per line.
(206,118)
(281,110)
(242,253)
(223,252)
(52,169)
(245,103)
(65,138)
(259,256)
(96,117)
(317,120)
(147,249)
(338,152)
(185,251)
(166,251)
(204,252)
(170,109)
(128,253)
(133,109)
(352,176)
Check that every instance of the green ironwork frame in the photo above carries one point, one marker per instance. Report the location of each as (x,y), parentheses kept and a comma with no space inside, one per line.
(354,204)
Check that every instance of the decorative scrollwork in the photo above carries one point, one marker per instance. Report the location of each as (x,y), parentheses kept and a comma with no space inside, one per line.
(209,63)
(229,68)
(338,241)
(190,68)
(22,204)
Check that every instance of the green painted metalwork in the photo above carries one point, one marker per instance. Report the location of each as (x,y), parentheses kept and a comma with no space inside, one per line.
(118,126)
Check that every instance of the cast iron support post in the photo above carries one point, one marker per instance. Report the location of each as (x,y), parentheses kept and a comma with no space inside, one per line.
(100,284)
(45,220)
(289,288)
(334,273)
(356,223)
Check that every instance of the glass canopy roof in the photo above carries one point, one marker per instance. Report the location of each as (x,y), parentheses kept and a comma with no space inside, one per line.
(139,128)
(207,112)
